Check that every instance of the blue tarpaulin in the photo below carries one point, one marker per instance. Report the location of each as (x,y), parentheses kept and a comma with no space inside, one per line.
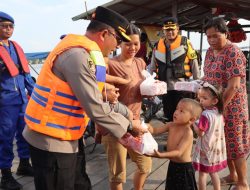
(38,55)
(36,68)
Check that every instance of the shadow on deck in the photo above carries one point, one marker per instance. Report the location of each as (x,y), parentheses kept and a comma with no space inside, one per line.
(97,170)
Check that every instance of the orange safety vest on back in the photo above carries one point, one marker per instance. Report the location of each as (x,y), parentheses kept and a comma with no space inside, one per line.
(11,66)
(53,108)
(179,64)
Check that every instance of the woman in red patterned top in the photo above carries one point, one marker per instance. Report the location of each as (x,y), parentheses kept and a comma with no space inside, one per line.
(225,65)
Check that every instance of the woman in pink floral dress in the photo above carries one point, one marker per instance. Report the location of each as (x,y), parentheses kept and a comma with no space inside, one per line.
(225,65)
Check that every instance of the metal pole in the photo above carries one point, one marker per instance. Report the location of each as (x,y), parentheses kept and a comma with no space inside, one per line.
(33,69)
(201,43)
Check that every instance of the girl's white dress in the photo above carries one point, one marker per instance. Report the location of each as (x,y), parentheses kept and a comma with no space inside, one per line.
(210,150)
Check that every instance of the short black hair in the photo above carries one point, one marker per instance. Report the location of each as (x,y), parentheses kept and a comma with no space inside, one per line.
(132,29)
(96,26)
(217,23)
(144,37)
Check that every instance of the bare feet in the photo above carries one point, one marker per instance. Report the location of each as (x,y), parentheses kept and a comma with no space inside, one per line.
(228,180)
(240,187)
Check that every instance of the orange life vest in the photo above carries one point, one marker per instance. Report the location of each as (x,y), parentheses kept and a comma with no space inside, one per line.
(179,64)
(11,66)
(53,108)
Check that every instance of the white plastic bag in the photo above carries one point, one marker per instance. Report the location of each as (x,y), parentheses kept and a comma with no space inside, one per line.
(152,87)
(148,141)
(192,86)
(145,145)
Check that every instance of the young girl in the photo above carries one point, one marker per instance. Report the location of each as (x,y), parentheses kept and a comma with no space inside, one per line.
(210,150)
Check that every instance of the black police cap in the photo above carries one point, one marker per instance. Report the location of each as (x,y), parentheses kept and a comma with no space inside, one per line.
(113,19)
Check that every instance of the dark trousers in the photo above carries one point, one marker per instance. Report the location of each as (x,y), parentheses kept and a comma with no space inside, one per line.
(52,170)
(82,181)
(170,101)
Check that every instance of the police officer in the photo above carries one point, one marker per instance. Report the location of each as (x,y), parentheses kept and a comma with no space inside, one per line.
(173,59)
(67,94)
(15,79)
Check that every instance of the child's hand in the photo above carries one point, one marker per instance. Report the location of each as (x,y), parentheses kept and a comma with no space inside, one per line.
(137,130)
(130,115)
(156,154)
(112,95)
(150,128)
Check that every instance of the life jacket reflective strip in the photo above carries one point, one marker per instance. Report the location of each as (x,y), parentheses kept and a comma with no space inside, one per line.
(160,55)
(11,66)
(100,68)
(53,108)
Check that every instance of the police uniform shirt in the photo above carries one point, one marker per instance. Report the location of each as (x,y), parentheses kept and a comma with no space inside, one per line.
(170,79)
(75,67)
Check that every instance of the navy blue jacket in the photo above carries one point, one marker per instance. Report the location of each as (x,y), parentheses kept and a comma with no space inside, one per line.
(14,90)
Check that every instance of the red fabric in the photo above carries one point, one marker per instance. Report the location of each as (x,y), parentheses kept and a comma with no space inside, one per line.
(142,53)
(4,55)
(229,63)
(236,32)
(214,168)
(21,55)
(203,123)
(129,93)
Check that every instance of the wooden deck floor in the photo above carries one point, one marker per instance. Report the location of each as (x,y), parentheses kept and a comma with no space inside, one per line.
(97,170)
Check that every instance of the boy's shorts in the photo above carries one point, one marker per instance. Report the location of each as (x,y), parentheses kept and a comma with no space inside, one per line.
(117,155)
(180,176)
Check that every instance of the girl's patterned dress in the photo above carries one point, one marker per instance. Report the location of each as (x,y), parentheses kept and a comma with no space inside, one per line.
(210,149)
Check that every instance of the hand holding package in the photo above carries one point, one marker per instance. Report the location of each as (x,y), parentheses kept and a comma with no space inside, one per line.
(144,145)
(148,141)
(192,86)
(152,87)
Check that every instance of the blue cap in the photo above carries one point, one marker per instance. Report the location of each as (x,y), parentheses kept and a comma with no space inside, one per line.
(62,36)
(170,23)
(6,17)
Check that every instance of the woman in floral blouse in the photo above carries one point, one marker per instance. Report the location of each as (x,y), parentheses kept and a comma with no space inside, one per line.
(225,65)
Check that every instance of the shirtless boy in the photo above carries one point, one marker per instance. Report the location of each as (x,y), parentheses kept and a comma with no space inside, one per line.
(180,174)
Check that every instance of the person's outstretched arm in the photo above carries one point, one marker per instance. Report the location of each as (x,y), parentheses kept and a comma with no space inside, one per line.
(185,142)
(159,129)
(202,126)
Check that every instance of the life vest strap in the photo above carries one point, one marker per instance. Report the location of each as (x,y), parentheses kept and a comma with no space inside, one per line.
(12,68)
(21,55)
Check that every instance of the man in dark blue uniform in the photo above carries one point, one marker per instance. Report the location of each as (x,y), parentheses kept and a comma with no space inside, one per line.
(15,83)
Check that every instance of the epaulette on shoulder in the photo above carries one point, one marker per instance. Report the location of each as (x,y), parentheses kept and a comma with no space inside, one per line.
(184,40)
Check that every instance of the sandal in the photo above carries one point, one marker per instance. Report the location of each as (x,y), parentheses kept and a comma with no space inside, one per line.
(227,181)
